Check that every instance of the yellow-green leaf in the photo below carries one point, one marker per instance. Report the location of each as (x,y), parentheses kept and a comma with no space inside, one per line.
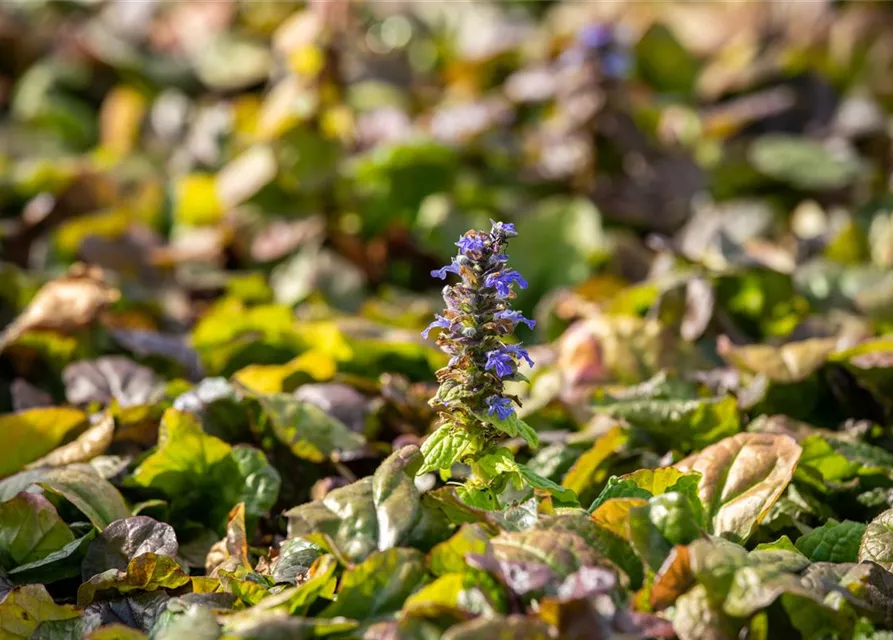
(196,201)
(28,435)
(25,607)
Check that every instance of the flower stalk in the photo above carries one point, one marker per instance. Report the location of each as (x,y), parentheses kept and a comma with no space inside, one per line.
(475,412)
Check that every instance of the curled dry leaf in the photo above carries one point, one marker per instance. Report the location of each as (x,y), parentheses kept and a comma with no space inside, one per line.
(67,304)
(93,442)
(741,478)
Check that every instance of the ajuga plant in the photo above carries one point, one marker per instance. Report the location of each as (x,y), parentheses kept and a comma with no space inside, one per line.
(476,414)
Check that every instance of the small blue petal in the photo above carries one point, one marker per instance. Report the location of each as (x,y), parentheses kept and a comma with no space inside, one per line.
(515,350)
(501,362)
(595,36)
(514,316)
(615,64)
(471,244)
(439,321)
(502,407)
(442,272)
(503,280)
(508,228)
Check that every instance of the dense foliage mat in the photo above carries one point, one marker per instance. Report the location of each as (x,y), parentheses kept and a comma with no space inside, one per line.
(656,397)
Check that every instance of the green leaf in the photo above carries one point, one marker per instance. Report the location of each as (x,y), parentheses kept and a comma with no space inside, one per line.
(295,558)
(378,349)
(475,592)
(877,541)
(396,499)
(146,572)
(394,179)
(802,163)
(495,464)
(667,520)
(664,62)
(449,555)
(682,424)
(260,482)
(755,588)
(601,536)
(186,456)
(819,454)
(193,468)
(33,433)
(58,565)
(561,496)
(645,483)
(833,542)
(378,585)
(181,620)
(697,617)
(254,625)
(782,544)
(308,431)
(372,514)
(447,445)
(591,468)
(620,487)
(742,477)
(25,607)
(92,494)
(478,497)
(513,426)
(30,529)
(562,551)
(764,302)
(294,601)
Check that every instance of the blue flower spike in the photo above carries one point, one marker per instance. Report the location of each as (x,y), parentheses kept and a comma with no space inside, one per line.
(475,411)
(475,324)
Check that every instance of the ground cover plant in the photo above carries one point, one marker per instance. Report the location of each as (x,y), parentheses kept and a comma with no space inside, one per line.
(650,395)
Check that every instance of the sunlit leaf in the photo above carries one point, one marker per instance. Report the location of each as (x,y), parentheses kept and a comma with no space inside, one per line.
(741,478)
(33,433)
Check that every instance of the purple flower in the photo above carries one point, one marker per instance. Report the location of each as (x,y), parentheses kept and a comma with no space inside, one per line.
(503,281)
(616,64)
(501,361)
(508,228)
(468,244)
(515,317)
(595,36)
(502,407)
(516,350)
(441,273)
(439,321)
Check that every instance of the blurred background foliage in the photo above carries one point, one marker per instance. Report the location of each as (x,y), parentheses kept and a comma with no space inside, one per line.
(686,179)
(261,188)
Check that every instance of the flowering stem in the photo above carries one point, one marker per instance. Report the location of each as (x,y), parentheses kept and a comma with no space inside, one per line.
(475,411)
